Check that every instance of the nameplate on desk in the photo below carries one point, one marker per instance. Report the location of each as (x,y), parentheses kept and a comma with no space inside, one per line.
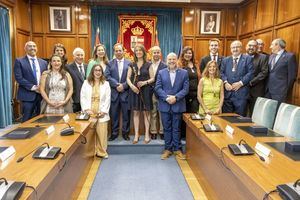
(229,130)
(208,117)
(261,148)
(66,118)
(6,152)
(50,129)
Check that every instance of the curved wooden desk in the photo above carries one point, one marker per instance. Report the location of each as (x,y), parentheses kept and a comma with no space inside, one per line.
(248,177)
(45,175)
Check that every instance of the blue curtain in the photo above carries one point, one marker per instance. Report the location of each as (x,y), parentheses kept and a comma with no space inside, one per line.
(168,26)
(5,70)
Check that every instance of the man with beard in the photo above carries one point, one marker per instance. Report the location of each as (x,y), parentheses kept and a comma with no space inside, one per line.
(28,70)
(260,65)
(172,86)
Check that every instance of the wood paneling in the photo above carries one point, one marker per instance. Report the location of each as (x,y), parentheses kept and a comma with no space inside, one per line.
(287,10)
(83,19)
(188,22)
(201,48)
(21,39)
(265,13)
(78,37)
(37,16)
(231,22)
(227,46)
(246,18)
(188,42)
(22,15)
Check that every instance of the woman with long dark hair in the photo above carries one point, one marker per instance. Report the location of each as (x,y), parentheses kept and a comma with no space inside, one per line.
(139,77)
(56,88)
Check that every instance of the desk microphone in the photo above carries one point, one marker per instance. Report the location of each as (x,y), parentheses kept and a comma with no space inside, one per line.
(260,157)
(21,158)
(5,181)
(67,131)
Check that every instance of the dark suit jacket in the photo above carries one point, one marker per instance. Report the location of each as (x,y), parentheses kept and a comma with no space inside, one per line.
(244,73)
(206,59)
(77,80)
(282,76)
(257,84)
(180,89)
(112,75)
(24,77)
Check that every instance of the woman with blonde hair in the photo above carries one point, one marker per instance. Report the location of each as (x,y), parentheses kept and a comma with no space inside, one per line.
(211,90)
(99,57)
(56,88)
(95,100)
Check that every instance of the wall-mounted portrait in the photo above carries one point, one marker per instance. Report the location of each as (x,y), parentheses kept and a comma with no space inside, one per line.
(60,18)
(210,22)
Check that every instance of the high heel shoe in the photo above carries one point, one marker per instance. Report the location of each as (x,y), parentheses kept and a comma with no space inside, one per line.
(147,141)
(136,141)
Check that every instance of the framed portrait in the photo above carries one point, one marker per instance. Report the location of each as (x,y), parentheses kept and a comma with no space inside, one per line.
(210,22)
(60,18)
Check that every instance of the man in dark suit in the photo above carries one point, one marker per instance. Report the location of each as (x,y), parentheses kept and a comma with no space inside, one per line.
(172,86)
(28,71)
(116,75)
(156,65)
(236,73)
(282,71)
(260,65)
(77,70)
(260,47)
(213,55)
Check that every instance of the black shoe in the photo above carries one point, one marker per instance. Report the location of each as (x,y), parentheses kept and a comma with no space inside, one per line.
(126,137)
(112,137)
(161,136)
(153,136)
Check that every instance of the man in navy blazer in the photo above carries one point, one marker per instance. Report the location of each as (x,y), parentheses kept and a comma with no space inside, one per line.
(116,75)
(282,71)
(172,86)
(156,65)
(236,73)
(28,70)
(77,70)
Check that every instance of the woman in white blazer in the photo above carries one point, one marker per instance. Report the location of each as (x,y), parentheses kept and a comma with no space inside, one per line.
(95,100)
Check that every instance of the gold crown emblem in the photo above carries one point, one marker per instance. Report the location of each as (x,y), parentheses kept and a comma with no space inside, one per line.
(137,30)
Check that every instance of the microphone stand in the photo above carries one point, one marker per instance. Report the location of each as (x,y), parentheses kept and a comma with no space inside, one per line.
(22,158)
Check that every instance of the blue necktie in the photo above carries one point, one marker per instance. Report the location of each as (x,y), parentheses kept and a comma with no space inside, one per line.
(34,68)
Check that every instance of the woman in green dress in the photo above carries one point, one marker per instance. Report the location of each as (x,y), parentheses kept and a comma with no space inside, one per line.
(99,57)
(210,90)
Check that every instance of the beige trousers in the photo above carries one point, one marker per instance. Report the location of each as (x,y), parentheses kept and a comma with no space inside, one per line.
(101,139)
(155,117)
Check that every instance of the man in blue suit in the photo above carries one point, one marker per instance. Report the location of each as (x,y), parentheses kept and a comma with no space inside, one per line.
(116,75)
(28,70)
(236,72)
(282,71)
(172,86)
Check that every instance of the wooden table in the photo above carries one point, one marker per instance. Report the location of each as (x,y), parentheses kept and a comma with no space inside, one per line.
(248,177)
(45,175)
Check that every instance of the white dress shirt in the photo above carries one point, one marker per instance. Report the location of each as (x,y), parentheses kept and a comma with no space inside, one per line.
(120,67)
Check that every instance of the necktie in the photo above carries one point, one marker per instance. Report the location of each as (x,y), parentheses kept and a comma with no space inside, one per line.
(34,68)
(234,64)
(273,62)
(120,68)
(81,71)
(214,57)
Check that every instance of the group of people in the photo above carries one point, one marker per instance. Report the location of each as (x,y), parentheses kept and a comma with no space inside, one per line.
(151,90)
